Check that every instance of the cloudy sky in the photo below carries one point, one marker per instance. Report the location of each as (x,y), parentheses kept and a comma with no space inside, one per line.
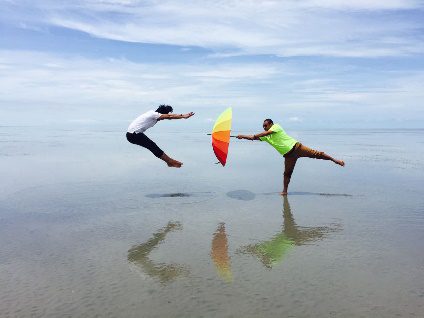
(305,63)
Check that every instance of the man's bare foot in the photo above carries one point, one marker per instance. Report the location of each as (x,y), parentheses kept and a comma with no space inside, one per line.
(174,163)
(340,162)
(283,193)
(171,162)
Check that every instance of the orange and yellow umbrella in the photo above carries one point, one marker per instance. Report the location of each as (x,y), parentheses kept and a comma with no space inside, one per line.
(221,135)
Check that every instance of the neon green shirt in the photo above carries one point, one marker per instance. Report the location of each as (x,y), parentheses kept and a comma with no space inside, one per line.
(282,142)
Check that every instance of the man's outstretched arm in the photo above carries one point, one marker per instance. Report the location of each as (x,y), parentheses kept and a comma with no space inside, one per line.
(256,136)
(175,116)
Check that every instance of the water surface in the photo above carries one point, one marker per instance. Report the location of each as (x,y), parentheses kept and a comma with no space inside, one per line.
(91,225)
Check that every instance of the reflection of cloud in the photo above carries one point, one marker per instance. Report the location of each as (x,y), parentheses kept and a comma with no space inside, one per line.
(82,121)
(139,256)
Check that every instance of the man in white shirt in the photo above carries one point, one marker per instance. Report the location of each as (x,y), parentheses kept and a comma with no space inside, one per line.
(135,132)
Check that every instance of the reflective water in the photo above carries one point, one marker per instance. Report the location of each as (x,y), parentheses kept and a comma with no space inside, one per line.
(93,226)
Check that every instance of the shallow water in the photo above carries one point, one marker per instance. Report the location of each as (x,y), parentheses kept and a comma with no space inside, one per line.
(91,225)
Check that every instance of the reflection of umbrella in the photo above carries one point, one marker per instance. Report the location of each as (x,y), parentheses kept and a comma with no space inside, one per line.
(219,254)
(221,135)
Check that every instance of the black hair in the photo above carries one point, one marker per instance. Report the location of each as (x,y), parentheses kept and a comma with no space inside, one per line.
(269,121)
(164,109)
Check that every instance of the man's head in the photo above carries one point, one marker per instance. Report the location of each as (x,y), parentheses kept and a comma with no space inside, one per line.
(267,124)
(164,109)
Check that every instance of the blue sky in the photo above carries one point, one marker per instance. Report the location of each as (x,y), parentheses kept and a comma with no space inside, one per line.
(307,64)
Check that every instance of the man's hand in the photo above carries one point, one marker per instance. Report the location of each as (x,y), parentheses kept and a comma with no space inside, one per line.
(245,137)
(188,115)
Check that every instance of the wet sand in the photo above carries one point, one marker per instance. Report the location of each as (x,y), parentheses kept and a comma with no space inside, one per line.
(110,231)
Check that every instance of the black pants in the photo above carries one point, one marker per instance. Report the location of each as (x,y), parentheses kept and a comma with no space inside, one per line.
(144,141)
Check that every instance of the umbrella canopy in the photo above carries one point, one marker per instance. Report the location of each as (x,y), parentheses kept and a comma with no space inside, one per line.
(221,135)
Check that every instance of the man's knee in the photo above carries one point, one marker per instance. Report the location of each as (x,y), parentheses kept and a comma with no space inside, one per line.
(130,138)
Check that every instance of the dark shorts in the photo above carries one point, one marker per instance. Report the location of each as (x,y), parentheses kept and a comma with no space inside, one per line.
(142,140)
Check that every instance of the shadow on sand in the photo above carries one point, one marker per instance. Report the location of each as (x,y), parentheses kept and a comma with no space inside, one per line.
(177,195)
(168,195)
(312,193)
(244,195)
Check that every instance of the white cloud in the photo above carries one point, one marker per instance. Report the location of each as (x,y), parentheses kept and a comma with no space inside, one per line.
(295,119)
(363,4)
(285,28)
(86,89)
(38,78)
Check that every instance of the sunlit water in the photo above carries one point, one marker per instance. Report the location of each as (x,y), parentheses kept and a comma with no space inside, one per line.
(91,225)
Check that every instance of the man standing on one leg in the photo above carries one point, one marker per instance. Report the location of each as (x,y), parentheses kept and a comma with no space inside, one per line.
(290,148)
(135,133)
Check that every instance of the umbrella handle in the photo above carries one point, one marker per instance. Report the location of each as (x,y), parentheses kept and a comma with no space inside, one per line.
(230,135)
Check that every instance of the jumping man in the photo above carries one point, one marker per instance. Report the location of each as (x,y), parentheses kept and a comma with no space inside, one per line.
(135,133)
(290,148)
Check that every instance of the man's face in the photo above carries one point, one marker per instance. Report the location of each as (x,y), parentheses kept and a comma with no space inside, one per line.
(266,125)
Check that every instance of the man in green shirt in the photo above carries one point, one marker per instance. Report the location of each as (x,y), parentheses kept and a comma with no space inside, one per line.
(289,147)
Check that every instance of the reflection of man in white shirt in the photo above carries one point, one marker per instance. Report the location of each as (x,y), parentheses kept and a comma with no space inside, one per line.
(136,129)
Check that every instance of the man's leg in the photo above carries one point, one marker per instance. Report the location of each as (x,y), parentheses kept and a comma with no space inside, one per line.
(289,164)
(303,151)
(149,144)
(146,142)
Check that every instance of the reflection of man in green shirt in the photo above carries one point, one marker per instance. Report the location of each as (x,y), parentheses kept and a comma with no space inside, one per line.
(290,148)
(271,252)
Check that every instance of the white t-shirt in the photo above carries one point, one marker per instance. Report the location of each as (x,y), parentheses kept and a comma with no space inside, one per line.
(144,122)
